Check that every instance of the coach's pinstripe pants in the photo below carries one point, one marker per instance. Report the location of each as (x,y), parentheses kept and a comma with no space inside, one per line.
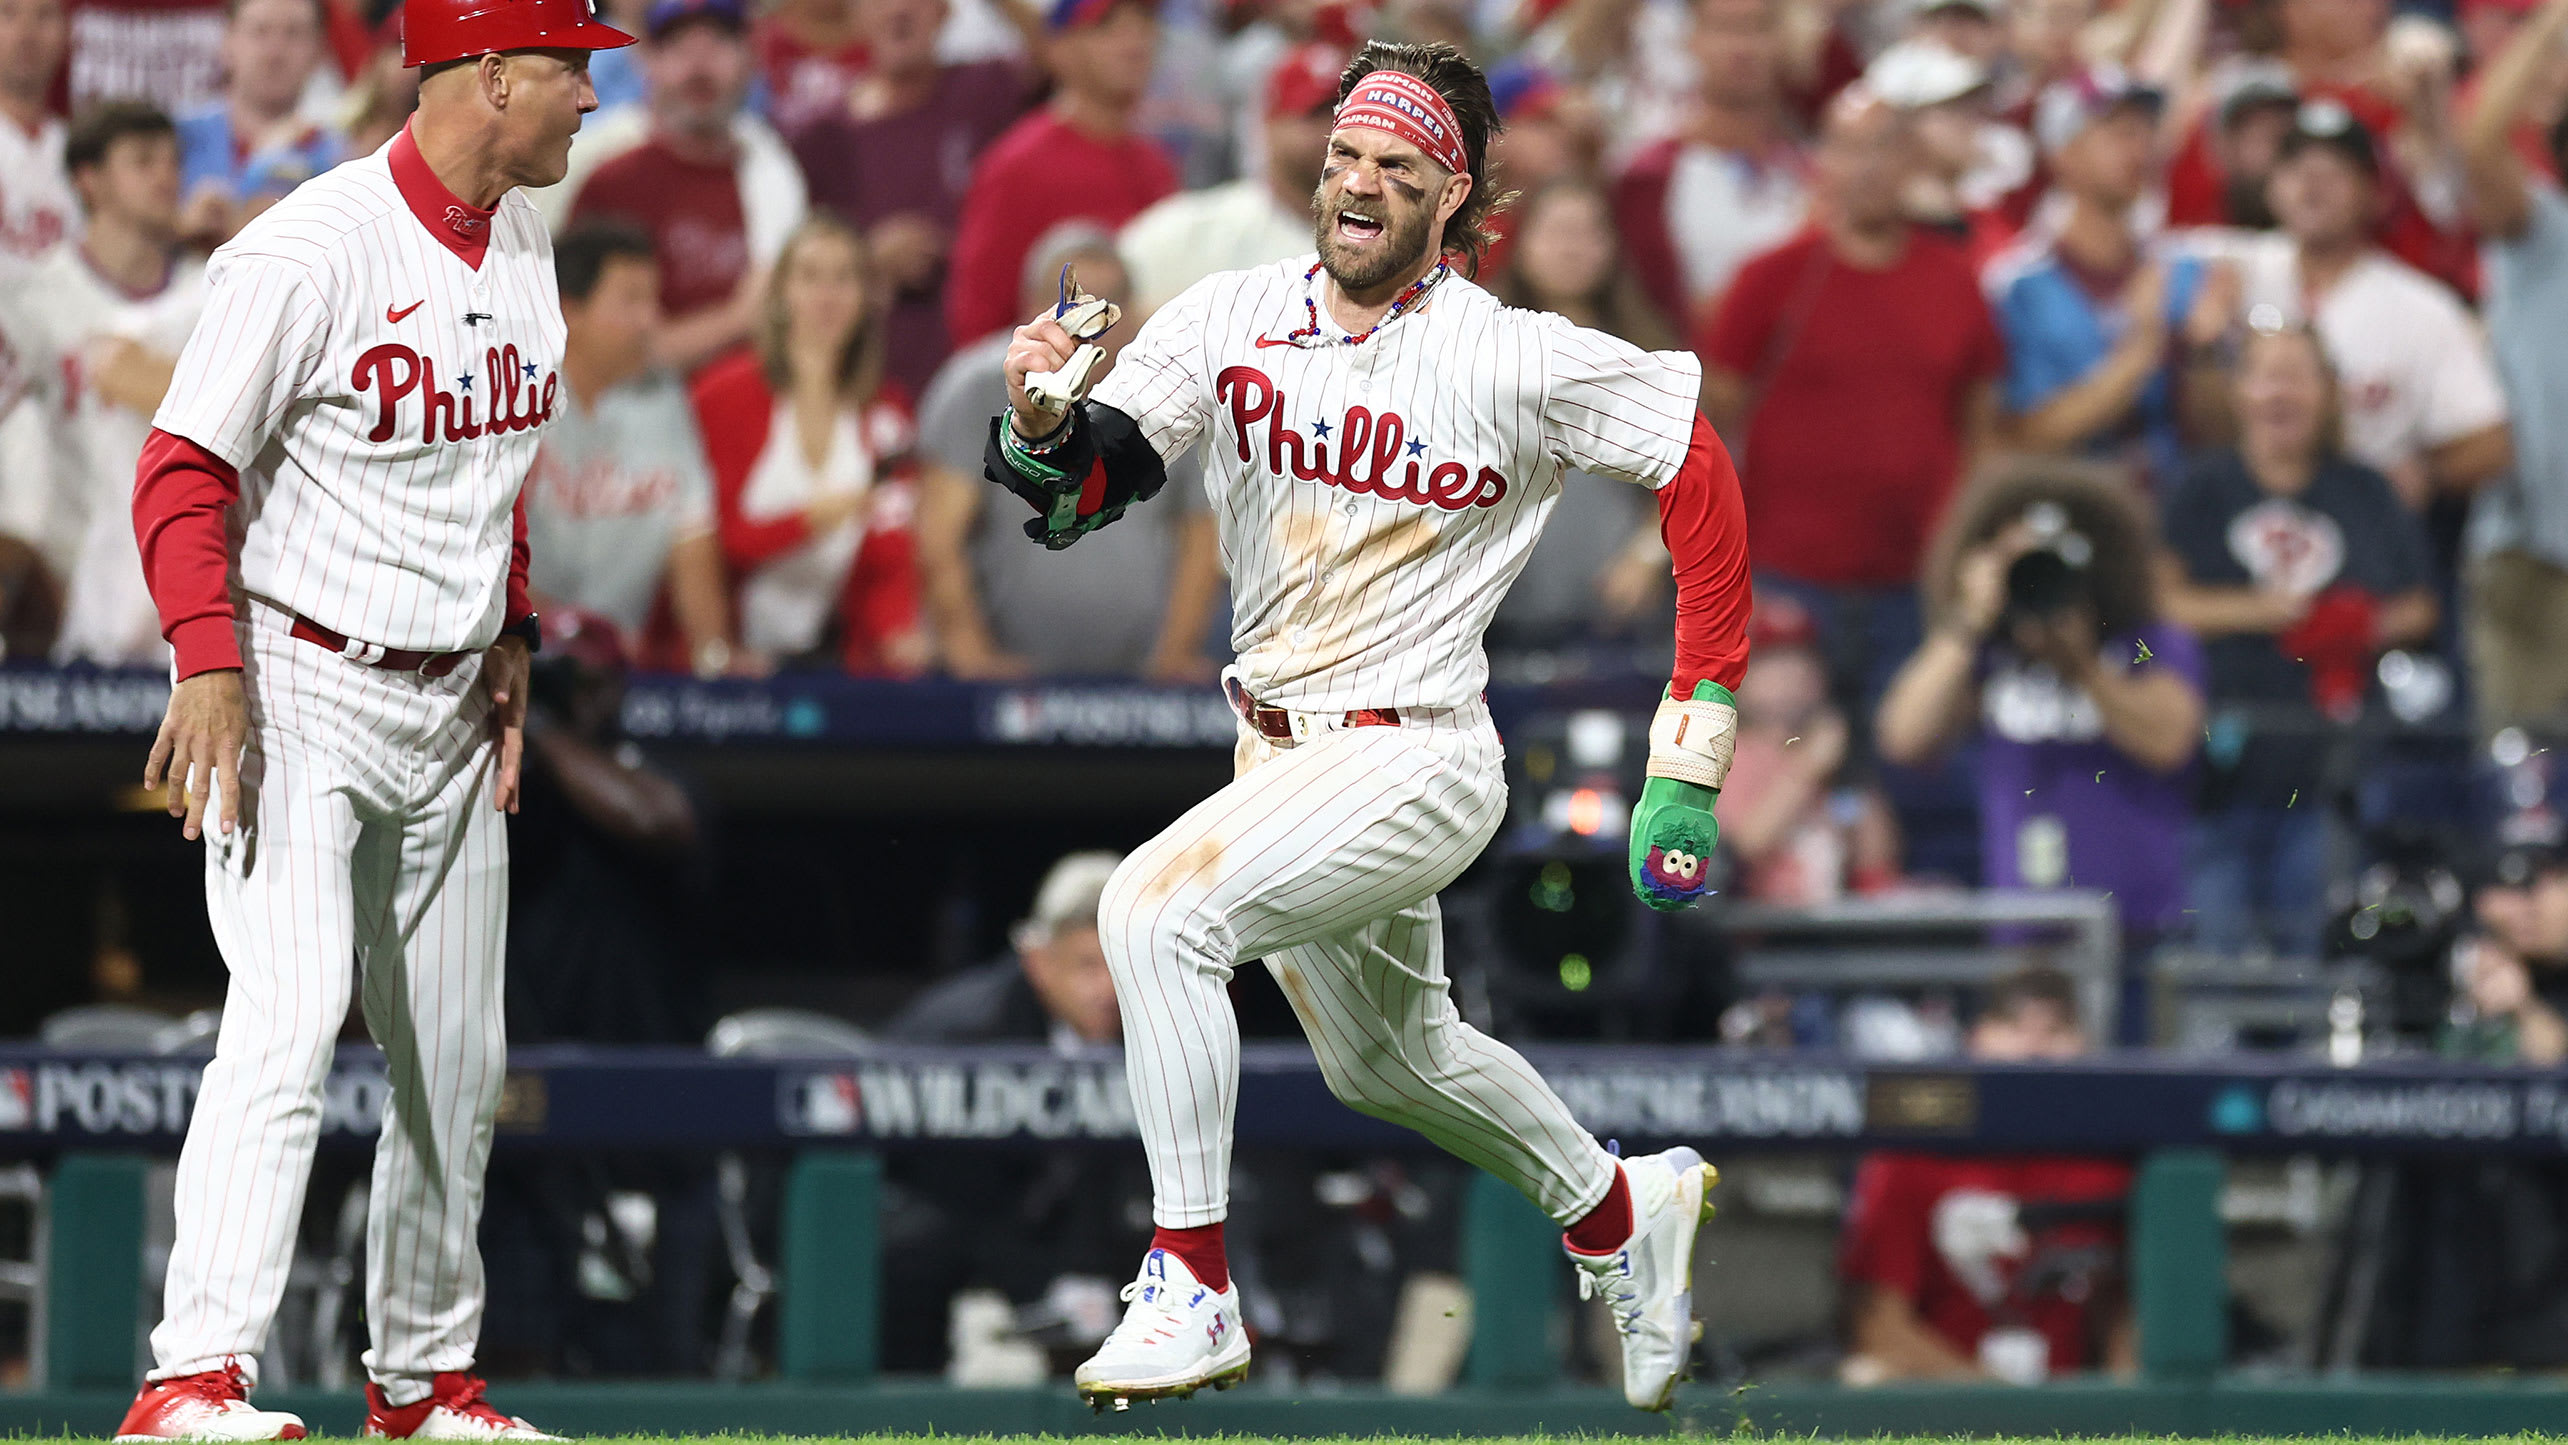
(1324,859)
(372,849)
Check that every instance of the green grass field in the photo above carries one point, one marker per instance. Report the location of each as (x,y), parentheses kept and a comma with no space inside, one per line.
(1557,1439)
(2355,1412)
(1524,1438)
(1554,1439)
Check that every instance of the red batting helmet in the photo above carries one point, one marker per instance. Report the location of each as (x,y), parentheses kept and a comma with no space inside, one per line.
(435,30)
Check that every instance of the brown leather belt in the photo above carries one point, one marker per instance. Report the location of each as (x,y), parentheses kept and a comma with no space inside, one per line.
(426,664)
(1276,724)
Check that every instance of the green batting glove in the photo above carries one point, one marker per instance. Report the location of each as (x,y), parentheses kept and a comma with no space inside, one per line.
(1673,830)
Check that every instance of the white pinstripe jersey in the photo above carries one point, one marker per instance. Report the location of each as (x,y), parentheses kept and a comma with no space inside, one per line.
(1376,500)
(381,435)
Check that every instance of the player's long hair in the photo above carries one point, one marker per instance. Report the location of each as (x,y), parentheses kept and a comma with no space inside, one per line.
(2101,505)
(1467,91)
(860,361)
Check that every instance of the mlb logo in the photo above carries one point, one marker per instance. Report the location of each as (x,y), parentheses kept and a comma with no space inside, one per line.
(1015,717)
(824,1104)
(17,1101)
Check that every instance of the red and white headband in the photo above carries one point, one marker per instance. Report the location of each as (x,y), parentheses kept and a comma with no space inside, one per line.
(1404,105)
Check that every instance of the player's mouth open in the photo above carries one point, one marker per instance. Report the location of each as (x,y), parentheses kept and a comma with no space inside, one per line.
(1357,228)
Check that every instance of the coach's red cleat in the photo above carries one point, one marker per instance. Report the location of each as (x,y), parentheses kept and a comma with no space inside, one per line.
(453,1410)
(212,1406)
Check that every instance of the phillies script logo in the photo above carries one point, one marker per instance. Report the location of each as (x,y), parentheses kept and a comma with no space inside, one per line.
(393,371)
(1369,446)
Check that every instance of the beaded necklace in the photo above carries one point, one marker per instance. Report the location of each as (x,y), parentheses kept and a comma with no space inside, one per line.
(1406,300)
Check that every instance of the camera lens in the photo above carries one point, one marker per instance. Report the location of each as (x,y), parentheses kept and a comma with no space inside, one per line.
(2042,583)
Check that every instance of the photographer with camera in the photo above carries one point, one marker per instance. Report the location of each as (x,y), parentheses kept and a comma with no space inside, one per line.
(2298,567)
(2443,1267)
(2512,971)
(2049,648)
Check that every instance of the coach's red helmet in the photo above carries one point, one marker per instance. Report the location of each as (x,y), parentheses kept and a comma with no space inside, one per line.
(435,30)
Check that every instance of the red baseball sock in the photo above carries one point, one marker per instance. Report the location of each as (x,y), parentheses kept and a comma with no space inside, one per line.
(1607,1227)
(1201,1248)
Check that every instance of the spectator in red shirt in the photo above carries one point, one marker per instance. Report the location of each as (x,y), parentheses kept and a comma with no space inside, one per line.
(2003,1267)
(1863,315)
(1077,159)
(810,52)
(2241,138)
(894,158)
(1728,185)
(2349,52)
(810,454)
(2488,28)
(714,189)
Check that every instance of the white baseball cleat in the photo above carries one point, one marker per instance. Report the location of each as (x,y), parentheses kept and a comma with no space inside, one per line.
(1178,1336)
(453,1410)
(1649,1282)
(212,1406)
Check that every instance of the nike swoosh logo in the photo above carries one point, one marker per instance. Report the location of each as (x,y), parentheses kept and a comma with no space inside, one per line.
(1264,342)
(392,314)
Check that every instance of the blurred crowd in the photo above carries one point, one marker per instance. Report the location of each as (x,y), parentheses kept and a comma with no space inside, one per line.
(2135,402)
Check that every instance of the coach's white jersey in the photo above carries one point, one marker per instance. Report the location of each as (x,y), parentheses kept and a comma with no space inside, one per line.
(52,327)
(1376,499)
(381,397)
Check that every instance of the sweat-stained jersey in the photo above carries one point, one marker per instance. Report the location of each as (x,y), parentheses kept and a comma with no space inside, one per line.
(380,394)
(1375,500)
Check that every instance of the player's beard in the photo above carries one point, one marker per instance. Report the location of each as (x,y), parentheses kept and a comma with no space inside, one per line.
(1402,246)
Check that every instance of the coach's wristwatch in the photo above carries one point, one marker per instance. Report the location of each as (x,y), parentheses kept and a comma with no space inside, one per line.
(528,629)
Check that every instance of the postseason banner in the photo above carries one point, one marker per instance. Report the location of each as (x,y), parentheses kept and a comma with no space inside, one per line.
(899,1097)
(802,710)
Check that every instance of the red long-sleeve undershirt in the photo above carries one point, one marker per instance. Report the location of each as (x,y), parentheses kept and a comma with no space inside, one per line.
(1704,522)
(515,606)
(181,492)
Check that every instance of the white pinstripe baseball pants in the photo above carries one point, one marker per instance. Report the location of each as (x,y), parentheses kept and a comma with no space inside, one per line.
(1324,858)
(372,850)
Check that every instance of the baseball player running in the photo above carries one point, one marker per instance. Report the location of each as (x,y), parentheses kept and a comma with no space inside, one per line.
(327,511)
(1386,442)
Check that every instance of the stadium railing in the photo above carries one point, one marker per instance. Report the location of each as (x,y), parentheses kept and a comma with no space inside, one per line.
(96,1117)
(75,734)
